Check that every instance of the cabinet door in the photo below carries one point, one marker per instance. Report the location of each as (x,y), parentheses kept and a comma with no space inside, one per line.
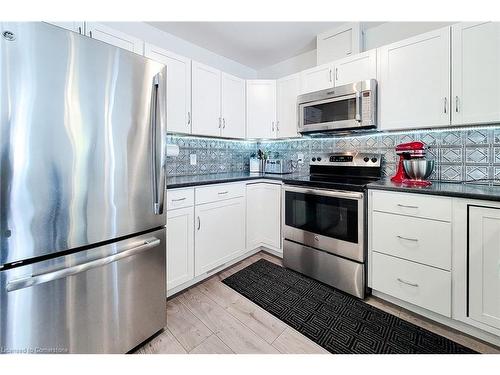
(219,233)
(263,215)
(206,105)
(476,73)
(261,108)
(414,89)
(356,68)
(180,246)
(317,78)
(287,90)
(233,106)
(484,261)
(78,27)
(339,42)
(178,88)
(114,37)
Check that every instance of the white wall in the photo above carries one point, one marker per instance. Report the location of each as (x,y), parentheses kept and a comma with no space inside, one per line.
(374,37)
(289,66)
(182,47)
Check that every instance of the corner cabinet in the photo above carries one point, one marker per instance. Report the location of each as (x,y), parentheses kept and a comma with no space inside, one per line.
(484,265)
(263,216)
(476,73)
(261,109)
(287,90)
(178,87)
(414,89)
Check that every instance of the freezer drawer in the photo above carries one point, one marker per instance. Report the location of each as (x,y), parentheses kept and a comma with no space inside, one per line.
(104,300)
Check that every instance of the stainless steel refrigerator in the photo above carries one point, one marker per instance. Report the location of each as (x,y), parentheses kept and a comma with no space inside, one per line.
(82,224)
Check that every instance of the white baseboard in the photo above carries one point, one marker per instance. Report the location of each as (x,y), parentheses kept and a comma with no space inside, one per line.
(455,324)
(196,280)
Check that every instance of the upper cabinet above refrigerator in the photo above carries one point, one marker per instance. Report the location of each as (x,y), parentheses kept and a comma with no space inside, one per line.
(476,73)
(114,37)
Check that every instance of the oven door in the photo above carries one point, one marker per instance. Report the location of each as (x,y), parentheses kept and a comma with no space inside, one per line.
(326,220)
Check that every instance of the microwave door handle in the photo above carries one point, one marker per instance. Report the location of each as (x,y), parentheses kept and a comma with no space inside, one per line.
(357,116)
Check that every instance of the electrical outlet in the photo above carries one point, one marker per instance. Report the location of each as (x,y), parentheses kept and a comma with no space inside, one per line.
(300,158)
(192,159)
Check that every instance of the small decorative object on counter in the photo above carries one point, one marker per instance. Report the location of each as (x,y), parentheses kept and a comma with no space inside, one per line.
(413,168)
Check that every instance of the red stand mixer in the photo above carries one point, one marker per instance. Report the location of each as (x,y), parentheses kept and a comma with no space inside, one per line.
(420,171)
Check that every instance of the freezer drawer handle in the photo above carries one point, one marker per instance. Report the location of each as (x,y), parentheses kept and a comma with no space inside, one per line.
(26,282)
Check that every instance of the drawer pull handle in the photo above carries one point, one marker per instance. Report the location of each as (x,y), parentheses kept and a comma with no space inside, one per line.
(223,192)
(406,206)
(407,239)
(407,282)
(178,200)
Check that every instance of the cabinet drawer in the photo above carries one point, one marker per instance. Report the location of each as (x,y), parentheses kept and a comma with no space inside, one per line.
(423,286)
(412,238)
(180,198)
(418,205)
(219,192)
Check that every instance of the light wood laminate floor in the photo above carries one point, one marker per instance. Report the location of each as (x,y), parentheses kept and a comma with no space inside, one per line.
(211,318)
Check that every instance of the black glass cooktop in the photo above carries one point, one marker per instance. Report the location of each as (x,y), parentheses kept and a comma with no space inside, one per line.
(331,182)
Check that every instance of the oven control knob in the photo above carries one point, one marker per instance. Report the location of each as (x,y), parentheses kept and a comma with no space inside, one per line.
(313,159)
(374,160)
(366,159)
(319,159)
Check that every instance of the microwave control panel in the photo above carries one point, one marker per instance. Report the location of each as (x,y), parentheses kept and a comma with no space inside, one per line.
(367,109)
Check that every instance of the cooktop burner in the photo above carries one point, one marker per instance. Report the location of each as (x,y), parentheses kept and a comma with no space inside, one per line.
(340,171)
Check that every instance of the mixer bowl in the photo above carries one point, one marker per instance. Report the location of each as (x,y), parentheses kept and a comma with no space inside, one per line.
(418,169)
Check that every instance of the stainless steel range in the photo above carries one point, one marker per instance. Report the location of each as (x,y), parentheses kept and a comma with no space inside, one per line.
(325,219)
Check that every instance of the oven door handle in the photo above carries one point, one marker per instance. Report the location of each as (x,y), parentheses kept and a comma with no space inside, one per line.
(327,193)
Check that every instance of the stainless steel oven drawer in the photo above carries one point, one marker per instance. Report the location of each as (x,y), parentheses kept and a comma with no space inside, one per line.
(330,269)
(107,299)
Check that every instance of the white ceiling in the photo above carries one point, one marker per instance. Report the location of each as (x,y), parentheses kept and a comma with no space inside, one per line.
(254,44)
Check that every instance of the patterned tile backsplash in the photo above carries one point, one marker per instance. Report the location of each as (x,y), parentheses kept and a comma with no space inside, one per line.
(460,154)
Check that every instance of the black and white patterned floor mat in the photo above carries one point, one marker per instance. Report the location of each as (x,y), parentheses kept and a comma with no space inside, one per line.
(340,323)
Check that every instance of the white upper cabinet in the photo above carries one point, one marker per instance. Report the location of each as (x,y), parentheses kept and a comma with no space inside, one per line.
(178,88)
(476,73)
(338,43)
(317,78)
(261,108)
(113,37)
(359,67)
(233,106)
(484,262)
(78,27)
(206,98)
(287,90)
(414,89)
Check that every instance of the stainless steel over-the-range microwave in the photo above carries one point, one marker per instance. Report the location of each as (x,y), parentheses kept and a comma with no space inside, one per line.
(347,107)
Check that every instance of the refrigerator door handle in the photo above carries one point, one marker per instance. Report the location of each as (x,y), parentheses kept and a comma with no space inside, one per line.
(26,282)
(157,167)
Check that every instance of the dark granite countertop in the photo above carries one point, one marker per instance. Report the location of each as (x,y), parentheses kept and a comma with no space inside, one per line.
(449,189)
(219,178)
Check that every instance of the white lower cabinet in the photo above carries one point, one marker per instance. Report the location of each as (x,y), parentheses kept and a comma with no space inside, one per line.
(484,265)
(219,233)
(264,216)
(180,246)
(424,286)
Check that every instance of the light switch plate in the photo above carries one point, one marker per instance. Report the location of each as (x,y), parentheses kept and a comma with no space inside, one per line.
(192,159)
(300,158)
